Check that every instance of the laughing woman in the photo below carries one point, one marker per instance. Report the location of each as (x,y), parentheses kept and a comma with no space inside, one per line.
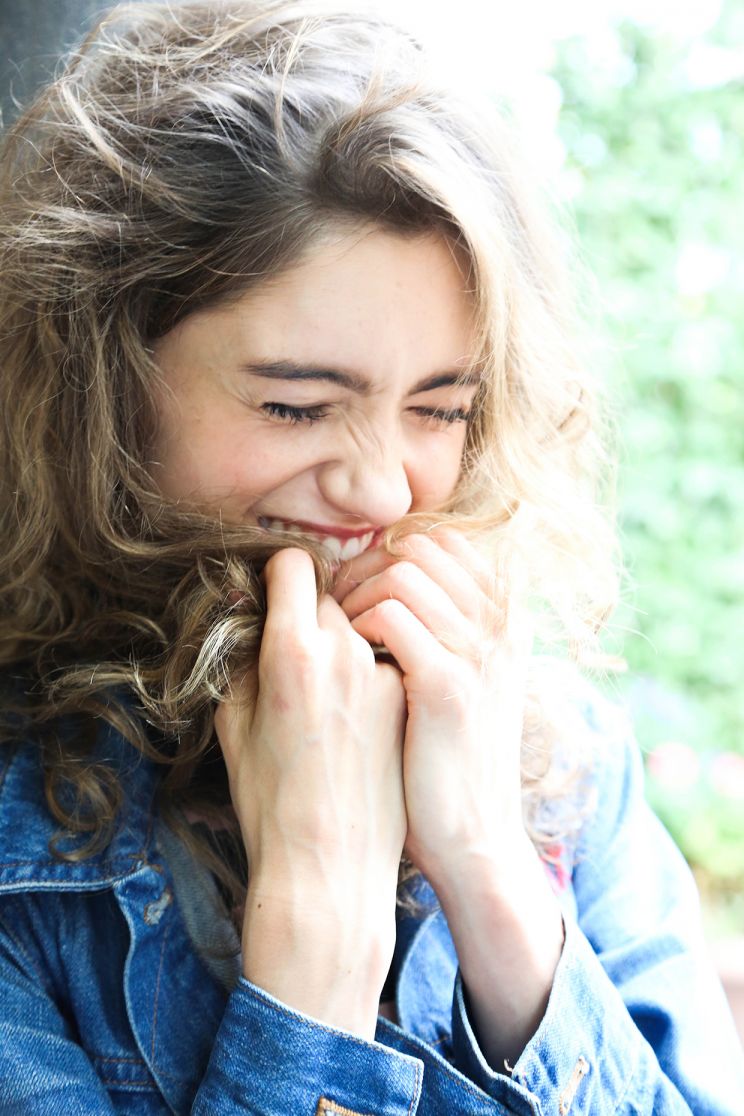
(299,468)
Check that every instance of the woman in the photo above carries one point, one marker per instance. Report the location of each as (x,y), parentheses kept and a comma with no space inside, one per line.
(299,464)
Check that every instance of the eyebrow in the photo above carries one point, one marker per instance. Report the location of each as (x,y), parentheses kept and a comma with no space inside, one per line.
(343,377)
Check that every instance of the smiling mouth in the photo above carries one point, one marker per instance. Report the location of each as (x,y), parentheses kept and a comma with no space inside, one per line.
(341,550)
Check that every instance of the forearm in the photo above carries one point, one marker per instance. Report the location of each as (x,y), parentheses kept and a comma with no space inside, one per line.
(508,933)
(323,958)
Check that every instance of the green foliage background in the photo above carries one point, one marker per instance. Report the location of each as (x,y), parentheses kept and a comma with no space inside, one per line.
(655,159)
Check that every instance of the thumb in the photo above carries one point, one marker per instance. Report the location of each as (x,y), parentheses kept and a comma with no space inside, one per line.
(234,714)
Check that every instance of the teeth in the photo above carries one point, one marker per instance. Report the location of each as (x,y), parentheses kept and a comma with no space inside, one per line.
(331,545)
(352,547)
(341,550)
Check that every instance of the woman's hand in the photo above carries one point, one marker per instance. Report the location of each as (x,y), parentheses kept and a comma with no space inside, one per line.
(463,647)
(463,644)
(313,749)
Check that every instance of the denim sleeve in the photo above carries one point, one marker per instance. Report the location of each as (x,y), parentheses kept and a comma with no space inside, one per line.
(270,1059)
(636,1022)
(266,1059)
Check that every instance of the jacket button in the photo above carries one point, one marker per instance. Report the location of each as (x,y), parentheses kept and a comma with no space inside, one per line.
(154,911)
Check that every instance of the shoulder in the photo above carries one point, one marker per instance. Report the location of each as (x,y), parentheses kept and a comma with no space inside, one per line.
(588,730)
(594,763)
(620,847)
(27,826)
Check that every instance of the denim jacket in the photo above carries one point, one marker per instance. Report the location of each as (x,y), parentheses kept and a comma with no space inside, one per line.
(107,1007)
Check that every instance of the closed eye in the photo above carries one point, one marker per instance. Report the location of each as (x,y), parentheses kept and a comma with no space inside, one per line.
(441,416)
(286,413)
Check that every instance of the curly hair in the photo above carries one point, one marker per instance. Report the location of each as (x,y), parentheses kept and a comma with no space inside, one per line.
(184,155)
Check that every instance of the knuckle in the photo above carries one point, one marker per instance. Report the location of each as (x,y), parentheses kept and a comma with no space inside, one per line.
(404,575)
(358,653)
(417,545)
(300,657)
(388,609)
(446,533)
(284,648)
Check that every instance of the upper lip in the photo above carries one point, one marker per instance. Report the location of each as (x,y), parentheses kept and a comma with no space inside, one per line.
(325,529)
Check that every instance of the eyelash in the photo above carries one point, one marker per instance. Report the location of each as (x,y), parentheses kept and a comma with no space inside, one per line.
(443,416)
(284,412)
(293,415)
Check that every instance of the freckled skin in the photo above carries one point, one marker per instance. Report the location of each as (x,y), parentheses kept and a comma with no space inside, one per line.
(392,309)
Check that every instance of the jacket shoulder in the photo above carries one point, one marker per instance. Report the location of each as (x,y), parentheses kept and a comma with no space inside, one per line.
(28,829)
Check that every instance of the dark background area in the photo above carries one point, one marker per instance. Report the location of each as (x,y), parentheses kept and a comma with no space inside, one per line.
(33,36)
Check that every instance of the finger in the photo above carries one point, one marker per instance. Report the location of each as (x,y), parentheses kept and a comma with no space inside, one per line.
(506,581)
(354,572)
(414,648)
(331,617)
(288,658)
(291,594)
(333,620)
(234,714)
(459,547)
(462,577)
(407,583)
(390,697)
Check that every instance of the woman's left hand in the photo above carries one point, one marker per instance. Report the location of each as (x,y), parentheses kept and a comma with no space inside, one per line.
(462,643)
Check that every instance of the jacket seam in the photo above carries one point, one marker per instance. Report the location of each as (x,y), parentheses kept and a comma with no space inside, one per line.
(631,1075)
(123,1085)
(157,995)
(416,1089)
(56,864)
(451,1073)
(276,1005)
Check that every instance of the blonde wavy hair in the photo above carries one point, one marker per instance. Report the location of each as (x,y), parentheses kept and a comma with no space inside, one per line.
(185,154)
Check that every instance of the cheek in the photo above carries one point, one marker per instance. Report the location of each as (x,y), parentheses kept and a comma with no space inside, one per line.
(235,471)
(252,474)
(437,470)
(197,456)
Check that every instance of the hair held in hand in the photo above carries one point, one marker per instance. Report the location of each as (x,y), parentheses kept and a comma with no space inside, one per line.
(175,164)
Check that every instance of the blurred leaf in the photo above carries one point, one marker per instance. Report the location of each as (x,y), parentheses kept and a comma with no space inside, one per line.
(655,166)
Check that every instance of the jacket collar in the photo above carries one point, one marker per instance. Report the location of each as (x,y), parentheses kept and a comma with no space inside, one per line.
(27,826)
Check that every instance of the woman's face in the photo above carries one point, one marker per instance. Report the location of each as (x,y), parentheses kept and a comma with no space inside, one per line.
(325,401)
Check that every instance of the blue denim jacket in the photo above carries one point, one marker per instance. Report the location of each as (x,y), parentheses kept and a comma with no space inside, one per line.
(106,1006)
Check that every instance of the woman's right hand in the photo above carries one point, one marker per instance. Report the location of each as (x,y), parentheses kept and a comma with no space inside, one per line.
(313,747)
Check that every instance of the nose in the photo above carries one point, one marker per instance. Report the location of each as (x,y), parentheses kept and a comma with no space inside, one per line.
(370,483)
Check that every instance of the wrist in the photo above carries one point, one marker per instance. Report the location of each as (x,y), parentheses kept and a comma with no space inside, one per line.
(484,897)
(507,927)
(498,867)
(325,962)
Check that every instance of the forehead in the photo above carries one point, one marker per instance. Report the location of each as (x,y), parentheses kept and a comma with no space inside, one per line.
(415,284)
(390,311)
(372,295)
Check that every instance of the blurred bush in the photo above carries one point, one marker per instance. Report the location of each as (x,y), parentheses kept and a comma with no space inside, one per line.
(653,130)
